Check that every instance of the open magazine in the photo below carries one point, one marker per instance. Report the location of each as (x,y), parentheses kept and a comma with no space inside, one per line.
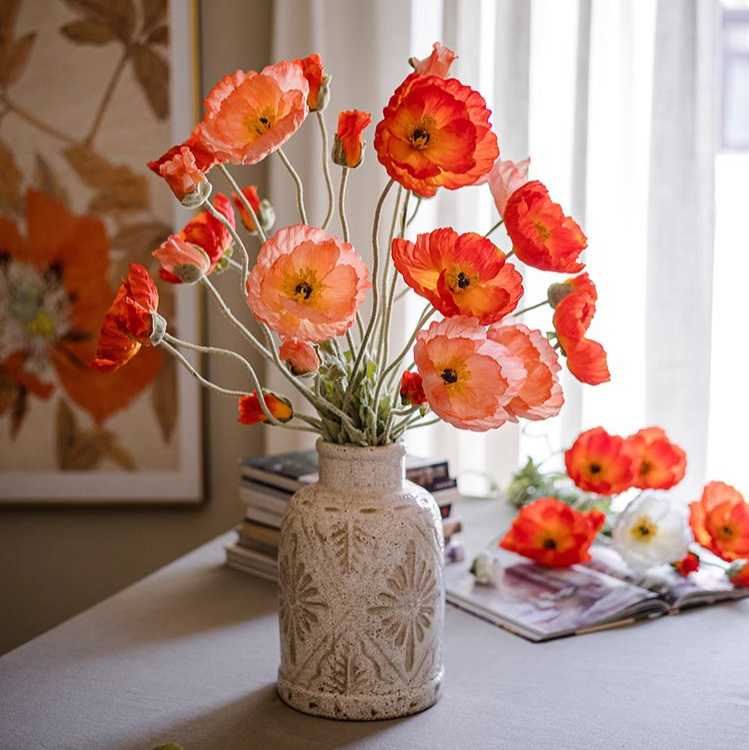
(542,603)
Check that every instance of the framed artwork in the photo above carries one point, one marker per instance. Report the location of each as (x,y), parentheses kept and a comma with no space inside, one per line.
(90,90)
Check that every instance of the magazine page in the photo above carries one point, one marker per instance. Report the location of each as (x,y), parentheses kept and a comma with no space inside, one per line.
(705,586)
(542,603)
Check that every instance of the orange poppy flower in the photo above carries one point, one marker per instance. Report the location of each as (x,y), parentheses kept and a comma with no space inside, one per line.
(504,179)
(412,389)
(541,396)
(462,274)
(182,174)
(437,64)
(469,380)
(299,356)
(263,209)
(434,133)
(204,159)
(542,236)
(312,70)
(602,463)
(54,293)
(251,412)
(689,564)
(720,521)
(204,231)
(739,576)
(251,115)
(662,463)
(581,283)
(348,146)
(129,324)
(307,285)
(552,533)
(586,359)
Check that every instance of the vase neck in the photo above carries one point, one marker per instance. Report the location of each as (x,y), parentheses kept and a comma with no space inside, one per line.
(366,469)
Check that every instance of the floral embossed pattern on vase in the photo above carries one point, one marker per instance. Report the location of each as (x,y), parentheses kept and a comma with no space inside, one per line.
(361,589)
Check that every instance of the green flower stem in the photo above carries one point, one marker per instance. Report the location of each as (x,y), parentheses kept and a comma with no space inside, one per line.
(375,291)
(510,254)
(326,169)
(230,179)
(528,309)
(428,423)
(298,182)
(496,226)
(342,203)
(351,345)
(426,314)
(203,381)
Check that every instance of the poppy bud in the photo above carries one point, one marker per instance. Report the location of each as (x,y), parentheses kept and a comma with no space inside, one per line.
(348,146)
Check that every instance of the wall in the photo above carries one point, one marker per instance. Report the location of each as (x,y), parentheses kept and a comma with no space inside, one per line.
(55,563)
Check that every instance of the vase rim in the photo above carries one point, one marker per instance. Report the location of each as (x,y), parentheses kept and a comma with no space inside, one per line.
(360,452)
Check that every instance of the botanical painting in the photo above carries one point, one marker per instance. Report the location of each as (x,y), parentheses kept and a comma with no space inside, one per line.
(85,99)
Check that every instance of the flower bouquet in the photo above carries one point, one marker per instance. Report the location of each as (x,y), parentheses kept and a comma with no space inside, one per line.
(614,491)
(351,590)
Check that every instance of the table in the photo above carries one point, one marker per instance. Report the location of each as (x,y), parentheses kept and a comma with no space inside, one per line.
(189,655)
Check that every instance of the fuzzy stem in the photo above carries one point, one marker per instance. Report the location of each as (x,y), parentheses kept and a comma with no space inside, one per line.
(299,185)
(341,204)
(230,179)
(233,232)
(326,169)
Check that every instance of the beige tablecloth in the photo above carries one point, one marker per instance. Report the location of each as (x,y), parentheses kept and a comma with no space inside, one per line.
(189,655)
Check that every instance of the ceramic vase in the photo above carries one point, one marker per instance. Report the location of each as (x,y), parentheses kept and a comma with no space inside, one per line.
(361,563)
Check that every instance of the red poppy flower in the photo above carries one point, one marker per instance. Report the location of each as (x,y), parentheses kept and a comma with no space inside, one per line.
(348,146)
(205,231)
(690,564)
(412,389)
(312,70)
(720,521)
(251,412)
(434,133)
(602,463)
(552,533)
(586,359)
(462,274)
(251,194)
(740,575)
(54,293)
(204,159)
(129,324)
(662,463)
(542,236)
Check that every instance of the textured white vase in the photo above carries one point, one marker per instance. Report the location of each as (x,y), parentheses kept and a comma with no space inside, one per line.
(361,589)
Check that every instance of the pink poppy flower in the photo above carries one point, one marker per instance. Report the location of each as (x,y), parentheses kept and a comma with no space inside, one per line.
(300,357)
(504,179)
(250,115)
(307,285)
(541,396)
(182,173)
(186,261)
(469,380)
(437,64)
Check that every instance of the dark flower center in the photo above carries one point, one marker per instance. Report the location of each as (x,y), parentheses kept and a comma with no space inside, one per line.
(419,138)
(463,280)
(449,375)
(726,530)
(550,544)
(645,467)
(303,289)
(595,468)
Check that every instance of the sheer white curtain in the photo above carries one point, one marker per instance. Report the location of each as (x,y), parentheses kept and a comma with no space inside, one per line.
(613,101)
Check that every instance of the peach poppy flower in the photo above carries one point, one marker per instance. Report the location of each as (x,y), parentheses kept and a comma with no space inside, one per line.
(182,259)
(204,159)
(469,380)
(542,236)
(662,463)
(251,412)
(602,463)
(720,521)
(182,173)
(204,231)
(348,146)
(541,396)
(251,115)
(313,72)
(462,274)
(307,285)
(299,356)
(434,133)
(129,324)
(552,533)
(504,179)
(437,64)
(412,389)
(586,359)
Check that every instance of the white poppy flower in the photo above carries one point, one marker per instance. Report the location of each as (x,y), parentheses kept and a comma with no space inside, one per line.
(651,531)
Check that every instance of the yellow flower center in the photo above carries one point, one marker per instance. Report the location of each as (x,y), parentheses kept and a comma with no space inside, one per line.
(261,120)
(644,530)
(543,231)
(454,375)
(458,280)
(421,134)
(303,287)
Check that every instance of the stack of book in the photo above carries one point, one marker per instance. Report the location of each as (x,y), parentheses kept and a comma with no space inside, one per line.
(267,484)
